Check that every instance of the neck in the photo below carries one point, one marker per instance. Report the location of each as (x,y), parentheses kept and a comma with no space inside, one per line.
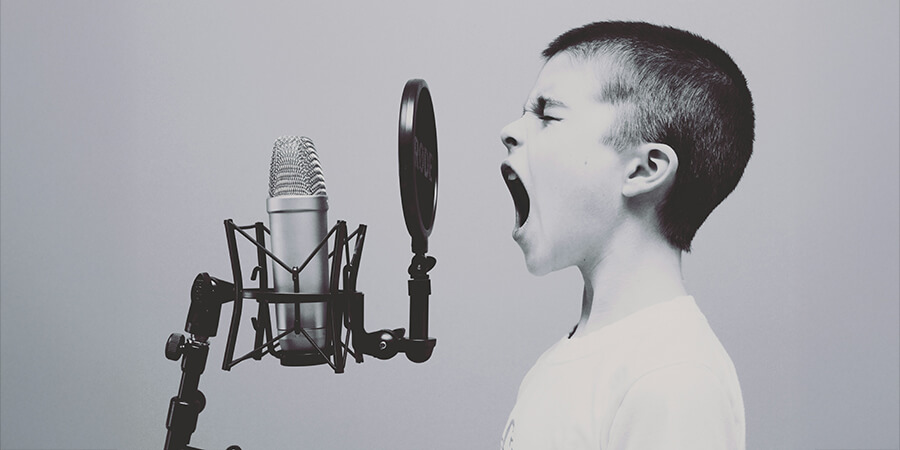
(632,275)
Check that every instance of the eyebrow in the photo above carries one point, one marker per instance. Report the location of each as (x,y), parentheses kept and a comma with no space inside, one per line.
(539,104)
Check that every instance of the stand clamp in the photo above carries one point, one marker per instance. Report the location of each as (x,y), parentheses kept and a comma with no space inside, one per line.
(207,296)
(419,347)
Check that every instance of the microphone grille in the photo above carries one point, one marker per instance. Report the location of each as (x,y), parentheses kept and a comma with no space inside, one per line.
(295,168)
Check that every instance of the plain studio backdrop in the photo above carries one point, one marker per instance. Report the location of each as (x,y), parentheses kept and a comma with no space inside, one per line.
(130,131)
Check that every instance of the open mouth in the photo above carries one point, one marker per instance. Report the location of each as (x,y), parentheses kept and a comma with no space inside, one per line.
(519,195)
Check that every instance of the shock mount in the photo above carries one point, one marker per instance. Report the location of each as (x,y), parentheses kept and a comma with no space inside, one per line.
(345,315)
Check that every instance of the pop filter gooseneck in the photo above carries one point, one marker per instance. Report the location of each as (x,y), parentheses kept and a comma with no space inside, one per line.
(418,163)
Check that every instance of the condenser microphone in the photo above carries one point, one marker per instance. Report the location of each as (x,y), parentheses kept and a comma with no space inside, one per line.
(297,207)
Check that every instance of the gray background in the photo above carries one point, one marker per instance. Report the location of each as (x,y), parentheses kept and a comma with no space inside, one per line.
(130,131)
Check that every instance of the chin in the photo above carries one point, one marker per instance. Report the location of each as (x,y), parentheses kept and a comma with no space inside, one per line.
(538,271)
(537,266)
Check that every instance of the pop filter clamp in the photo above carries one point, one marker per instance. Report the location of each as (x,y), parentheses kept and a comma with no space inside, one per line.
(344,304)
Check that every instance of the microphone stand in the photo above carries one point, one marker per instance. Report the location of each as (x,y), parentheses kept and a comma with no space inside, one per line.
(207,296)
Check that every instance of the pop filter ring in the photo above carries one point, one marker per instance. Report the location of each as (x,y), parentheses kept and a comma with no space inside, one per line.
(418,160)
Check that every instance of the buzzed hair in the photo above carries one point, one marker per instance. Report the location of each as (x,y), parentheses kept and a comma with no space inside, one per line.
(676,88)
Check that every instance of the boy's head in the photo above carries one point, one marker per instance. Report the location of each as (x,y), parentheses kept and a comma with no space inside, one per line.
(673,106)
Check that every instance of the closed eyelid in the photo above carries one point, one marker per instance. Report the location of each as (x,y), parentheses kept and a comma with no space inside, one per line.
(539,105)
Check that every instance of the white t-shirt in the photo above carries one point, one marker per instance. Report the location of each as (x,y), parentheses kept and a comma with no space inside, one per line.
(657,379)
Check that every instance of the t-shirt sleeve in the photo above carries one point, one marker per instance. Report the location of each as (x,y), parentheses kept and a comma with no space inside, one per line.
(682,406)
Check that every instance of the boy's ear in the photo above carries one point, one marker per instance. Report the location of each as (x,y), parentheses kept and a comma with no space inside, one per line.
(652,167)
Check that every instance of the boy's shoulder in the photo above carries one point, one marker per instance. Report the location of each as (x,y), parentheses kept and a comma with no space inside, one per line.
(675,333)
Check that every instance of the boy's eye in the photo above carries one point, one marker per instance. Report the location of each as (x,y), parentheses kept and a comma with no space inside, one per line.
(545,118)
(538,108)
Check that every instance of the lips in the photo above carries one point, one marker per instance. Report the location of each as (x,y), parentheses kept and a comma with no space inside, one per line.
(518,192)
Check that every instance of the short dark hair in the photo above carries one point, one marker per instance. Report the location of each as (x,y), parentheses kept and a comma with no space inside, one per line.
(675,88)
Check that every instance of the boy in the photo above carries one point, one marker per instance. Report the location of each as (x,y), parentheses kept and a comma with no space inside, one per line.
(632,134)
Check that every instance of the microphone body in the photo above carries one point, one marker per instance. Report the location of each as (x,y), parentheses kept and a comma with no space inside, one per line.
(298,210)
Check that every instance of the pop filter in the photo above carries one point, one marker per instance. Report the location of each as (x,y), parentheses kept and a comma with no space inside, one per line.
(418,162)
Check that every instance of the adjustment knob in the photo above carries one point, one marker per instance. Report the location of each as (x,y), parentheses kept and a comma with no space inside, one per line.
(388,343)
(199,401)
(174,346)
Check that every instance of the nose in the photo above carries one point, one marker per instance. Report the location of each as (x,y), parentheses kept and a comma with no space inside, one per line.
(510,137)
